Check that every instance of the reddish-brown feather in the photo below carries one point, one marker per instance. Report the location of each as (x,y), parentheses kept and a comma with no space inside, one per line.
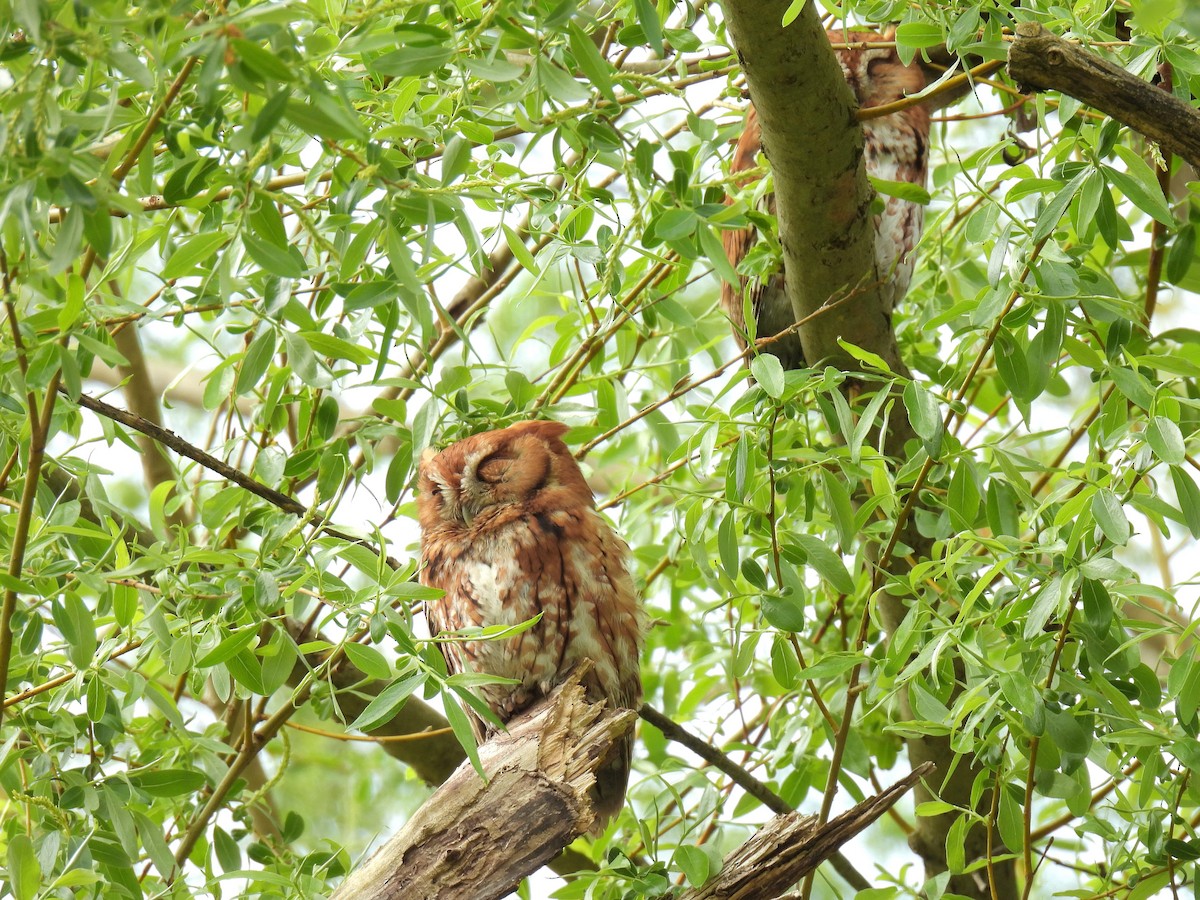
(509,530)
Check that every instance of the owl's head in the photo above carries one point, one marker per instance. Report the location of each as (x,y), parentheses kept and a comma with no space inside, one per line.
(875,74)
(489,473)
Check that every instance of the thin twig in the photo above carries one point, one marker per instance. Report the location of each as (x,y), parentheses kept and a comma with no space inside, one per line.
(171,440)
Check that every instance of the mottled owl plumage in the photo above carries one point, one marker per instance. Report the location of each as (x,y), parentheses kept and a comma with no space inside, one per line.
(895,149)
(509,529)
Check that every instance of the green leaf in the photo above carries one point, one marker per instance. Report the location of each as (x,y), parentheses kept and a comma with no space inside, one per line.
(647,16)
(125,604)
(1133,385)
(1097,606)
(768,372)
(151,835)
(1023,696)
(411,61)
(693,862)
(1053,212)
(368,660)
(673,224)
(1166,440)
(925,415)
(191,252)
(831,666)
(785,665)
(97,699)
(727,545)
(785,613)
(461,726)
(261,61)
(519,250)
(829,565)
(794,9)
(229,646)
(335,347)
(871,361)
(286,262)
(1111,517)
(24,871)
(1185,850)
(168,782)
(229,854)
(278,660)
(246,669)
(1188,497)
(1045,605)
(905,190)
(256,361)
(588,58)
(712,249)
(918,35)
(322,118)
(75,622)
(868,419)
(1140,185)
(389,701)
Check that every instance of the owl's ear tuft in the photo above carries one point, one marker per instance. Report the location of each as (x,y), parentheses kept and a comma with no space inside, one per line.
(427,456)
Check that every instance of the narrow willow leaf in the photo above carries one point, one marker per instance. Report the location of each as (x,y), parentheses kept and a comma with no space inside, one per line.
(256,361)
(1111,517)
(1166,440)
(388,702)
(829,565)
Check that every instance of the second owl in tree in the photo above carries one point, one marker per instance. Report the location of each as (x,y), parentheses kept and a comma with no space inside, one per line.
(895,148)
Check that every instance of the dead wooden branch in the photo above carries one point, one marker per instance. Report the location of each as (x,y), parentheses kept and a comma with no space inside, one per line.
(1039,60)
(790,846)
(476,839)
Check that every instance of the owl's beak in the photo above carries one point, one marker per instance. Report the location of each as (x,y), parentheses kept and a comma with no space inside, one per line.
(467,516)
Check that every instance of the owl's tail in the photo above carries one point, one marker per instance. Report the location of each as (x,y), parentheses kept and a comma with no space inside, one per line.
(612,778)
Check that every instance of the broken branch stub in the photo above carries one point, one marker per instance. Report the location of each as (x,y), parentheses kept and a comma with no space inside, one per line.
(790,846)
(477,839)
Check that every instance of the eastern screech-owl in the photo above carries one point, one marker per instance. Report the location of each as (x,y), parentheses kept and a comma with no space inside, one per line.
(509,529)
(895,148)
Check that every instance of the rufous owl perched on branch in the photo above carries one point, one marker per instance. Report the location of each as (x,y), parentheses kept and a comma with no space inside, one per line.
(509,531)
(895,149)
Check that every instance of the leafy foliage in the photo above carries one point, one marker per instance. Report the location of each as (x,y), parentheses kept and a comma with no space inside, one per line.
(320,237)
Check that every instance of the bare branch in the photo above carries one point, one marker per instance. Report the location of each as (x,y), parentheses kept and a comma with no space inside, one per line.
(790,846)
(1040,60)
(174,442)
(536,800)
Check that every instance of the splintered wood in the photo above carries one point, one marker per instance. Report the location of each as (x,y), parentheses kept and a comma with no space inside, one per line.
(477,839)
(790,846)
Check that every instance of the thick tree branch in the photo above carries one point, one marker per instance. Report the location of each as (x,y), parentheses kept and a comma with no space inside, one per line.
(1039,60)
(478,839)
(745,781)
